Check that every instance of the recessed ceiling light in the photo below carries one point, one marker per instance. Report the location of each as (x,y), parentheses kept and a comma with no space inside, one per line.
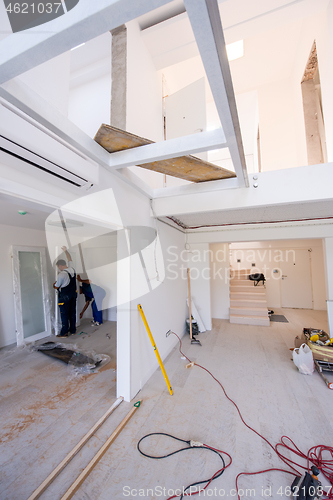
(69,223)
(78,46)
(235,50)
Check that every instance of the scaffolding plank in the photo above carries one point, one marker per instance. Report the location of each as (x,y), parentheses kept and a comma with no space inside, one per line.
(188,167)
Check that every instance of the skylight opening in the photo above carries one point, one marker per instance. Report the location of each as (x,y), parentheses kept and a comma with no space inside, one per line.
(235,50)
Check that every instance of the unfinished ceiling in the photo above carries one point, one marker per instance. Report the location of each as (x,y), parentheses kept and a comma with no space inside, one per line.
(282,213)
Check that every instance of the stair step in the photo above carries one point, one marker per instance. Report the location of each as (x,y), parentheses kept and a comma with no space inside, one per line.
(249,320)
(249,311)
(247,295)
(247,303)
(246,288)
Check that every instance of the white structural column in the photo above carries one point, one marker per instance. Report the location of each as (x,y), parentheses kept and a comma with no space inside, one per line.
(328,259)
(205,20)
(123,318)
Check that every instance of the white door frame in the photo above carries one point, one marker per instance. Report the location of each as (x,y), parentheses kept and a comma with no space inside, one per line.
(18,298)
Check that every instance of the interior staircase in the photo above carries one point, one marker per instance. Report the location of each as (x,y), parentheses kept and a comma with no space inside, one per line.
(248,304)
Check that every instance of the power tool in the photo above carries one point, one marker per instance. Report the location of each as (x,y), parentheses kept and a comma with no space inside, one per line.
(307,487)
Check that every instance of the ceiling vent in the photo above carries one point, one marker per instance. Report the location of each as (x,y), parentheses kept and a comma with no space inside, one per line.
(39,162)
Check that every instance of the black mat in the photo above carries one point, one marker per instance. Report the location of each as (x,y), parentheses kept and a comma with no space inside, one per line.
(278,318)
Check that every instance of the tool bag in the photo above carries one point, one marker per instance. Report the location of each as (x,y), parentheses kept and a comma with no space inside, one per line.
(257,277)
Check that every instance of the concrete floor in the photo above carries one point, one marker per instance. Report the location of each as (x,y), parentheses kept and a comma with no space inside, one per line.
(253,363)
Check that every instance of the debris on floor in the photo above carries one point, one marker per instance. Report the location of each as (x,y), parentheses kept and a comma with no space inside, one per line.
(79,362)
(321,347)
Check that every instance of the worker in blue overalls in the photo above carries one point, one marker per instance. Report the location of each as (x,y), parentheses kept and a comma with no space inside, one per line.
(67,293)
(93,294)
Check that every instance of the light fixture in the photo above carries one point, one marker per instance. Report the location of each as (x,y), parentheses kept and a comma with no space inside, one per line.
(235,50)
(69,223)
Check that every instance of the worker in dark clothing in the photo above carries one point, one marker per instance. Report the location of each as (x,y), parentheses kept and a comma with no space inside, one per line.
(67,293)
(94,295)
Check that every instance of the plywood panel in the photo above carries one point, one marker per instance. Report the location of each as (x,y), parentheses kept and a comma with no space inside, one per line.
(188,167)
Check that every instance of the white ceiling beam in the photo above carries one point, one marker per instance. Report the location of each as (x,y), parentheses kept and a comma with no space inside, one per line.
(205,19)
(196,188)
(276,187)
(172,148)
(23,51)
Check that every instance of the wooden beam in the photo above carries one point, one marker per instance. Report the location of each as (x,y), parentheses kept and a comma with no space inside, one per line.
(46,483)
(85,473)
(166,157)
(126,152)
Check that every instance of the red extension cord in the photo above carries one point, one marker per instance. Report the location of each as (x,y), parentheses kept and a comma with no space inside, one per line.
(315,455)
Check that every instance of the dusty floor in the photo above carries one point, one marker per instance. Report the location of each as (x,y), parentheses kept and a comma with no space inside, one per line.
(45,409)
(254,365)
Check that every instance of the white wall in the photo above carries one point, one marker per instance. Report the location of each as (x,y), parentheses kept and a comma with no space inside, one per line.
(268,255)
(89,104)
(277,126)
(144,88)
(198,258)
(10,236)
(165,309)
(314,28)
(51,81)
(248,114)
(220,280)
(328,256)
(144,116)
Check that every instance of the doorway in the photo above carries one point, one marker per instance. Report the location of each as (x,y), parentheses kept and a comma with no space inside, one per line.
(296,286)
(31,294)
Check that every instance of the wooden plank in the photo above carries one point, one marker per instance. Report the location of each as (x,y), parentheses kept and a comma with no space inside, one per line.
(45,484)
(188,167)
(85,473)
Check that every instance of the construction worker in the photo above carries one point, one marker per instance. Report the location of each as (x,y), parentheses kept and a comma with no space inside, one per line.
(95,295)
(67,293)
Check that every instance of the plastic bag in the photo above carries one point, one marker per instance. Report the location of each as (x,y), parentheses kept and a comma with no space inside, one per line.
(303,359)
(84,363)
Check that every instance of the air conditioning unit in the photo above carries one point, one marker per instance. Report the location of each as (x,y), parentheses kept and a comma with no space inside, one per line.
(39,162)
